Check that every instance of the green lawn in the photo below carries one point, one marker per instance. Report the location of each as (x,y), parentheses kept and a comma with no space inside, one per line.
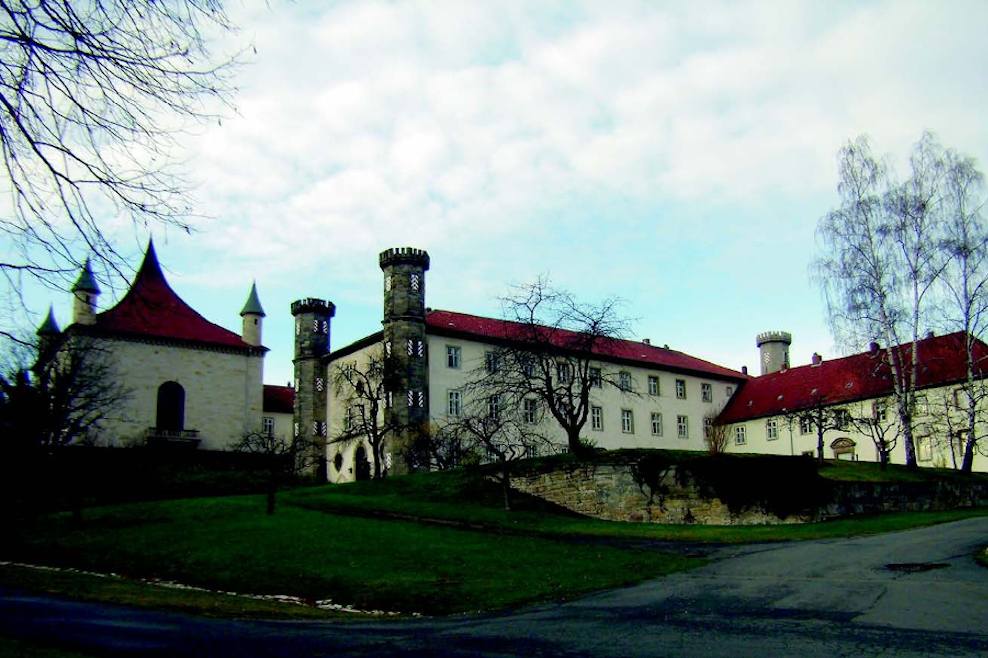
(432,543)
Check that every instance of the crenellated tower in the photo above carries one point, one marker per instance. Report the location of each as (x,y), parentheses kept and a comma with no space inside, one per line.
(774,350)
(404,335)
(312,319)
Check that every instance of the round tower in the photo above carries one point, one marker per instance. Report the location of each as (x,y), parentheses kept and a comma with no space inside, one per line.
(774,348)
(85,293)
(404,335)
(312,318)
(253,318)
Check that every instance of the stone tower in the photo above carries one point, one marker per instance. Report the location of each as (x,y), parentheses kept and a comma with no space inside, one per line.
(404,335)
(312,318)
(85,292)
(774,348)
(253,317)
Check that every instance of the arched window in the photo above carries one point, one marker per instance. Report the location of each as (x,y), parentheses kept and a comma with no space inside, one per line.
(171,407)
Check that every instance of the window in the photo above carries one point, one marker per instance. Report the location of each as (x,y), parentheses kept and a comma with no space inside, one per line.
(491,362)
(708,427)
(452,356)
(680,389)
(528,410)
(842,419)
(729,391)
(348,419)
(171,407)
(453,405)
(739,436)
(627,421)
(805,425)
(624,381)
(595,379)
(387,283)
(494,407)
(414,282)
(683,427)
(771,429)
(656,424)
(706,392)
(921,407)
(653,385)
(879,411)
(924,449)
(267,426)
(527,364)
(564,373)
(596,418)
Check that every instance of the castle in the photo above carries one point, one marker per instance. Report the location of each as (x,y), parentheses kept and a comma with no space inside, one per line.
(678,399)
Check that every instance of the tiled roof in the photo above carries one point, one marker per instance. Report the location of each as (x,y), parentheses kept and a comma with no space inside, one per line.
(858,377)
(279,399)
(490,329)
(152,310)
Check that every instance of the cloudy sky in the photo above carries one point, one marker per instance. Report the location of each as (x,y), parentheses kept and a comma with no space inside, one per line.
(677,155)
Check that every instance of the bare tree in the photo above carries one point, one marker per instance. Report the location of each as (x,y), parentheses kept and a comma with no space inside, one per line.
(716,436)
(77,388)
(285,458)
(548,352)
(819,417)
(964,292)
(363,389)
(500,434)
(874,424)
(92,98)
(881,259)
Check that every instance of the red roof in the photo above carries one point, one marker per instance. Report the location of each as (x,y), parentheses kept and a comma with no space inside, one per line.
(279,399)
(858,377)
(151,309)
(490,329)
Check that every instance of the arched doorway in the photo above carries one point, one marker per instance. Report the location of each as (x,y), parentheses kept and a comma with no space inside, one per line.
(361,466)
(844,449)
(171,407)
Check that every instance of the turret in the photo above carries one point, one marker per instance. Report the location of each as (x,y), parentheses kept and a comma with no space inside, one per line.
(85,293)
(774,347)
(253,318)
(48,334)
(312,318)
(404,334)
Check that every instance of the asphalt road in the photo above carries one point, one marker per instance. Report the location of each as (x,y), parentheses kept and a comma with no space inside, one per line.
(822,598)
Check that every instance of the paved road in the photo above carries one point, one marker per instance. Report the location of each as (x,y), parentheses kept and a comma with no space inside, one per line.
(822,598)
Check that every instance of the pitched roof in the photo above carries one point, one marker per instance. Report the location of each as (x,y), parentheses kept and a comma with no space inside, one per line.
(474,327)
(858,377)
(152,310)
(279,399)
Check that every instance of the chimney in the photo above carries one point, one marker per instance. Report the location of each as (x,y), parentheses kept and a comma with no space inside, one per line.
(929,334)
(744,370)
(873,347)
(816,359)
(647,341)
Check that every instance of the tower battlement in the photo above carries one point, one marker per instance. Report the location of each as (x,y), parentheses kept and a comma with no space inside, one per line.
(773,337)
(404,255)
(314,305)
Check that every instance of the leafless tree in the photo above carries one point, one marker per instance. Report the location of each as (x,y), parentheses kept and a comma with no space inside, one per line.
(76,387)
(363,390)
(881,259)
(716,436)
(285,458)
(92,97)
(548,352)
(964,292)
(820,417)
(875,425)
(500,434)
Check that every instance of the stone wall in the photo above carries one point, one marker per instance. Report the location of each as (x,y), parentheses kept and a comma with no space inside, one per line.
(610,492)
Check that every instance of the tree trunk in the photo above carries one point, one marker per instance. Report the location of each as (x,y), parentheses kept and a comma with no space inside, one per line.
(506,486)
(884,458)
(968,464)
(573,439)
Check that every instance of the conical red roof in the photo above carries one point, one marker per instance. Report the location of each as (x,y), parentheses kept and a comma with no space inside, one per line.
(152,310)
